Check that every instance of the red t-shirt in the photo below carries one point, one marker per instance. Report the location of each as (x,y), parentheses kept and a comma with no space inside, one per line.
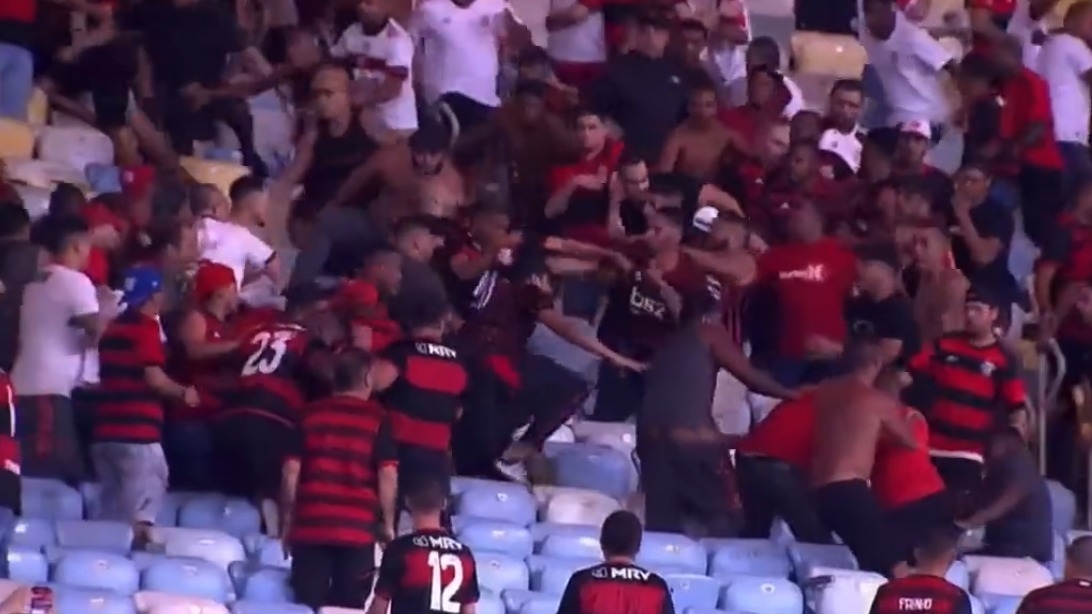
(786,434)
(1026,100)
(901,475)
(586,209)
(811,282)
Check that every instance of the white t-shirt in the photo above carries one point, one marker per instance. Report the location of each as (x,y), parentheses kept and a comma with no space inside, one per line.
(580,43)
(909,64)
(460,47)
(1063,62)
(1023,27)
(51,351)
(233,246)
(389,50)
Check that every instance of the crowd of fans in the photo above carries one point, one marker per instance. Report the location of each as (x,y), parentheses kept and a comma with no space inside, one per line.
(649,186)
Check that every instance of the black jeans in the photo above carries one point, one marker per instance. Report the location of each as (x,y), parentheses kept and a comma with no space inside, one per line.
(1042,198)
(468,112)
(337,576)
(769,488)
(687,479)
(963,478)
(185,125)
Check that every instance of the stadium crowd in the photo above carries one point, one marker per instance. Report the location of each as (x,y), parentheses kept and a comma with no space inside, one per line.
(802,316)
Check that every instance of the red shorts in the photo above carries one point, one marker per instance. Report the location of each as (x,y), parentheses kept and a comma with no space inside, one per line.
(579,74)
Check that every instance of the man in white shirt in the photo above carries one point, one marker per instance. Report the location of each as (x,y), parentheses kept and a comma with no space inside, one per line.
(909,63)
(58,321)
(459,45)
(1065,63)
(382,53)
(232,242)
(576,42)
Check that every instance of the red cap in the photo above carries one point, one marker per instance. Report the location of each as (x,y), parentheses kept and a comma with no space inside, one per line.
(136,181)
(98,214)
(210,278)
(355,294)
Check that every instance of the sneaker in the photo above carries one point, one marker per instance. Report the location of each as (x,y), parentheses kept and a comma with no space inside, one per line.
(515,471)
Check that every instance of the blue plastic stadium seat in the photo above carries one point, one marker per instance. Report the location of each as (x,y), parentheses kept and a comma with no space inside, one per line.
(780,533)
(708,611)
(757,557)
(1057,561)
(498,572)
(27,565)
(514,599)
(232,516)
(805,556)
(51,499)
(550,574)
(263,584)
(692,590)
(266,551)
(540,604)
(976,605)
(1000,604)
(671,549)
(103,570)
(1063,506)
(507,502)
(594,467)
(33,533)
(91,492)
(90,601)
(95,534)
(213,546)
(959,575)
(250,607)
(541,530)
(460,484)
(484,535)
(188,577)
(490,604)
(172,504)
(144,560)
(758,594)
(572,545)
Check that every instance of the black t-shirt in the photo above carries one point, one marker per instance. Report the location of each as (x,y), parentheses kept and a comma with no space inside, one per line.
(983,128)
(1027,529)
(991,220)
(187,44)
(889,318)
(18,267)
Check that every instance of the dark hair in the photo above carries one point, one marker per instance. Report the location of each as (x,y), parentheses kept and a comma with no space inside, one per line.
(424,493)
(420,309)
(333,66)
(766,50)
(877,4)
(201,197)
(621,534)
(377,253)
(585,111)
(915,187)
(66,199)
(809,144)
(978,66)
(674,215)
(14,219)
(530,87)
(351,367)
(701,85)
(848,85)
(693,25)
(630,159)
(937,544)
(165,234)
(861,351)
(168,198)
(56,233)
(244,187)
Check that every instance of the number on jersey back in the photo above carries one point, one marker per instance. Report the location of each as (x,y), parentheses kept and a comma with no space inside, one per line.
(427,572)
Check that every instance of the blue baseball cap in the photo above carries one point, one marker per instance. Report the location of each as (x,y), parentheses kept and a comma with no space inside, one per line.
(140,285)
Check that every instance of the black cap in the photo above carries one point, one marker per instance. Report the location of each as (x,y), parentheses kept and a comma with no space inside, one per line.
(984,295)
(881,252)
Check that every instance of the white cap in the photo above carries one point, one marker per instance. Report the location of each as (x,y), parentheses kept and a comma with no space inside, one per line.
(846,146)
(919,127)
(704,217)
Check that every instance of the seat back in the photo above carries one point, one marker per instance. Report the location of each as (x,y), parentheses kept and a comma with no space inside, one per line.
(75,146)
(212,546)
(759,594)
(759,557)
(828,54)
(672,549)
(231,515)
(576,506)
(550,574)
(836,591)
(1006,576)
(515,505)
(496,536)
(95,534)
(219,174)
(91,601)
(692,591)
(16,139)
(51,499)
(193,578)
(498,572)
(94,569)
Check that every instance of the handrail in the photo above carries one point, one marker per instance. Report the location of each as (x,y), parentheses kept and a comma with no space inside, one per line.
(1048,390)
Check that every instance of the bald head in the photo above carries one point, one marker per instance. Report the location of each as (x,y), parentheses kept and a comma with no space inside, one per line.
(1078,558)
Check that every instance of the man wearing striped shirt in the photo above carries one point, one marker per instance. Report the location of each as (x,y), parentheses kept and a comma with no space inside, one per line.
(1073,595)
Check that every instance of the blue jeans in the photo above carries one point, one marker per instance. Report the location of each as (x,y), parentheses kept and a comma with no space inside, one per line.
(16,81)
(7,532)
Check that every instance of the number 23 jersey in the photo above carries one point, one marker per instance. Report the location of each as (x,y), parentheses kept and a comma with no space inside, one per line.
(273,363)
(427,572)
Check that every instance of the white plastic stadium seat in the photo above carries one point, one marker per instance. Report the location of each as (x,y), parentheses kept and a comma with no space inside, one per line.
(758,594)
(758,557)
(549,574)
(90,601)
(51,499)
(490,604)
(231,515)
(250,607)
(1063,505)
(572,546)
(45,173)
(332,610)
(172,503)
(542,604)
(212,546)
(671,549)
(828,54)
(460,484)
(959,575)
(219,174)
(265,585)
(1005,576)
(514,599)
(563,434)
(188,577)
(515,505)
(579,507)
(152,602)
(16,139)
(839,590)
(498,572)
(91,569)
(33,533)
(483,535)
(1000,604)
(594,467)
(623,434)
(692,591)
(75,146)
(35,200)
(1057,561)
(804,557)
(27,566)
(976,605)
(95,534)
(266,551)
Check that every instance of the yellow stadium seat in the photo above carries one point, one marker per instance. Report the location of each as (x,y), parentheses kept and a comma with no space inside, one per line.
(1057,14)
(38,108)
(828,54)
(16,139)
(219,174)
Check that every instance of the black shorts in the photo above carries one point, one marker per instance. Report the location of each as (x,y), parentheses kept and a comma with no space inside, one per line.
(250,450)
(962,477)
(850,510)
(910,523)
(49,439)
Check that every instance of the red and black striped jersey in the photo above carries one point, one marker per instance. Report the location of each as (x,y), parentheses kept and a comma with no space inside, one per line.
(127,409)
(10,454)
(1066,597)
(274,358)
(973,390)
(616,588)
(343,442)
(427,572)
(425,399)
(921,593)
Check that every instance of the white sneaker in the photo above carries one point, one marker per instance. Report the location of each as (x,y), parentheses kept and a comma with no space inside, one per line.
(515,471)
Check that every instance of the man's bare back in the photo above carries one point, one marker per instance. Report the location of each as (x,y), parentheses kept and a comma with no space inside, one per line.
(696,152)
(938,304)
(847,430)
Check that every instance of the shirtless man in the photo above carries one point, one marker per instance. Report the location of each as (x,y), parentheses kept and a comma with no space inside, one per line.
(695,147)
(940,288)
(851,416)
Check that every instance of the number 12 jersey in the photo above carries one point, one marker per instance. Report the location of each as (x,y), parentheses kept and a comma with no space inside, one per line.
(429,572)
